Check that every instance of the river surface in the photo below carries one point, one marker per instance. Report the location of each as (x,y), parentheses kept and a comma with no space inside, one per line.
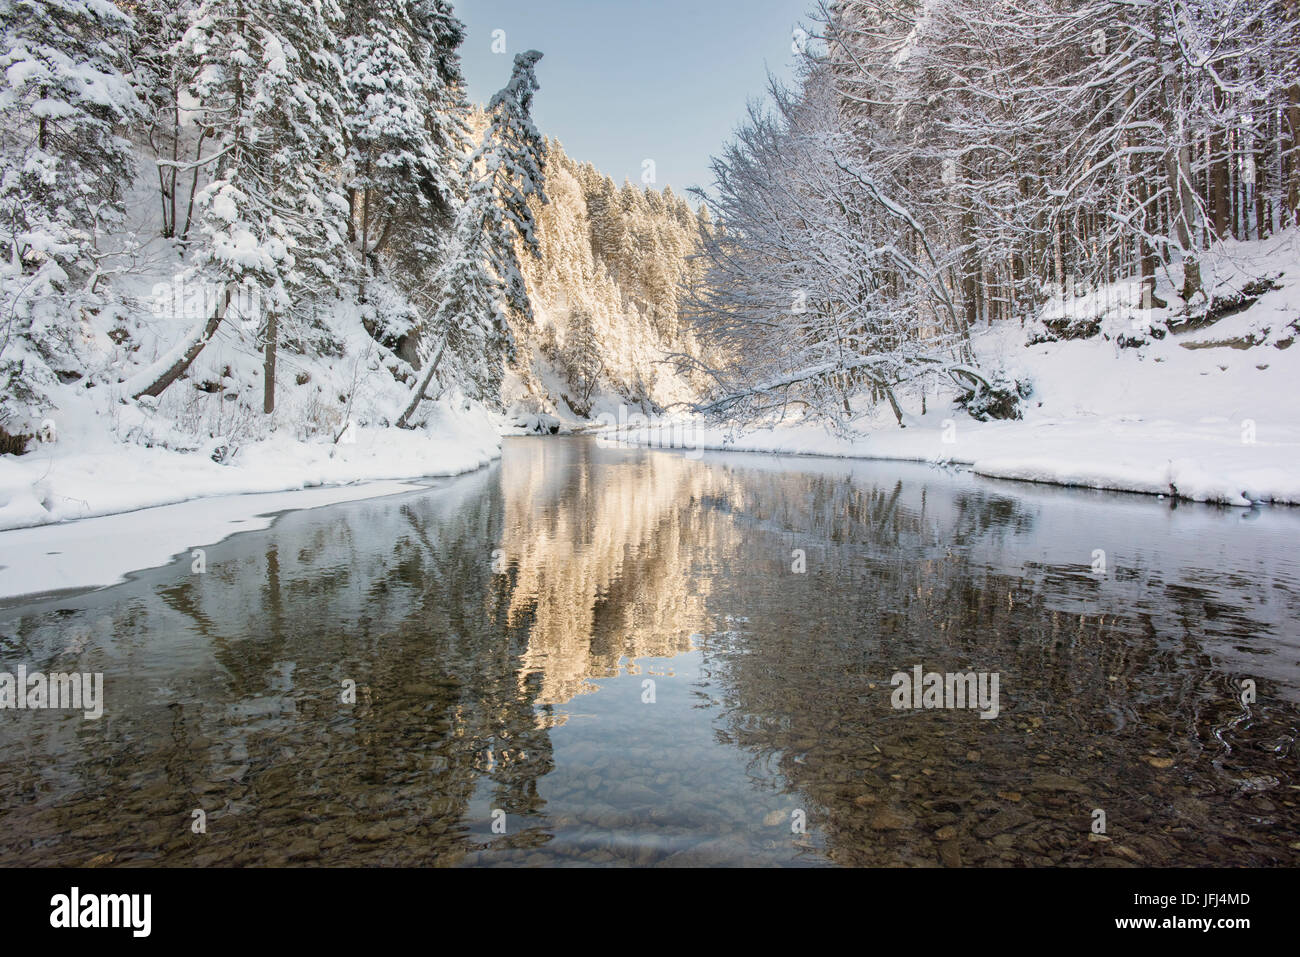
(586,655)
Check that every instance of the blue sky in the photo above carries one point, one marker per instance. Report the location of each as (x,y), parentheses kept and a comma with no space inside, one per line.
(628,80)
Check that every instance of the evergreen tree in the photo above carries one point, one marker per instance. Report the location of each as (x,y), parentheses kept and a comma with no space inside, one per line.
(64,168)
(480,288)
(273,216)
(512,158)
(405,124)
(583,363)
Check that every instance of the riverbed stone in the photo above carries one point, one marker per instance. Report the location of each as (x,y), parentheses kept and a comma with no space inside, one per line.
(1004,820)
(887,819)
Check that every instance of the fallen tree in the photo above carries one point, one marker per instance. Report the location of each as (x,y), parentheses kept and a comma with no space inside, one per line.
(154,380)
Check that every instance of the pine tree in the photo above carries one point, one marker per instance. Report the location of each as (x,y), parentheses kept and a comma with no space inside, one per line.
(64,168)
(607,223)
(480,289)
(405,124)
(513,159)
(273,216)
(582,360)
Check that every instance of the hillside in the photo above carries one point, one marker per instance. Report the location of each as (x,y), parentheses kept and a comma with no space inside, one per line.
(606,295)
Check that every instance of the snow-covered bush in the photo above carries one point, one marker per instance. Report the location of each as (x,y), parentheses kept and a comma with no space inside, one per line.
(1000,399)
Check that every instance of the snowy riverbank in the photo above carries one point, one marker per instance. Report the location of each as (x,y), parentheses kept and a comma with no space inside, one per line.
(155,504)
(1210,414)
(97,476)
(51,558)
(1204,461)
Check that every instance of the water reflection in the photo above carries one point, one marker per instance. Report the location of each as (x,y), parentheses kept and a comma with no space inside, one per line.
(612,655)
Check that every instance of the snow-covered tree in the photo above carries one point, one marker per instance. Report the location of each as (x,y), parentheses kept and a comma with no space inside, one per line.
(273,216)
(582,360)
(405,125)
(159,71)
(822,282)
(480,288)
(512,159)
(64,167)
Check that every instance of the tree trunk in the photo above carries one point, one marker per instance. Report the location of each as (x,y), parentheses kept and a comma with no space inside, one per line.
(268,366)
(403,421)
(893,404)
(1293,151)
(365,235)
(176,155)
(1184,201)
(178,368)
(1146,255)
(1219,185)
(194,185)
(1261,188)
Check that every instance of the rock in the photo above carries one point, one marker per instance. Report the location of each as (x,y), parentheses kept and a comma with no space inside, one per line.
(375,832)
(303,849)
(1012,796)
(950,854)
(1159,762)
(774,818)
(1258,783)
(1055,782)
(946,833)
(1004,820)
(631,792)
(719,852)
(888,820)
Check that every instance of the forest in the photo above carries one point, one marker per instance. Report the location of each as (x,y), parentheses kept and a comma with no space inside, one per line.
(944,166)
(225,220)
(221,191)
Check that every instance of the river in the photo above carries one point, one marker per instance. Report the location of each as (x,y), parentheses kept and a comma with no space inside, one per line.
(587,655)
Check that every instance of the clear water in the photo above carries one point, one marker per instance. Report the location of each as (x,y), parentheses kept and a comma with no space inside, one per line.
(501,629)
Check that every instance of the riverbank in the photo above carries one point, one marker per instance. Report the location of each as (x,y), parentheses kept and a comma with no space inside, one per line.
(73,555)
(91,475)
(1201,461)
(1207,414)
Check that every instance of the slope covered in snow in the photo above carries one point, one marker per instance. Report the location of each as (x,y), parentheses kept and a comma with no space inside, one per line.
(1206,411)
(606,293)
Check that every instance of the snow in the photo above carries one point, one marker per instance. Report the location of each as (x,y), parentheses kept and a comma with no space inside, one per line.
(62,482)
(75,555)
(1214,423)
